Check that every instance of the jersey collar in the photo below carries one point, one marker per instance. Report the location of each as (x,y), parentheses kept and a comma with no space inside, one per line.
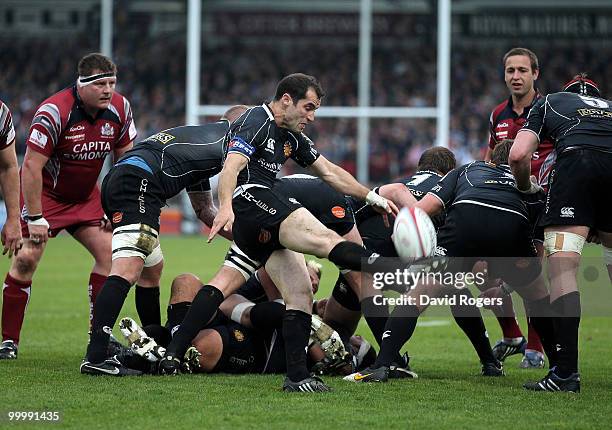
(268,111)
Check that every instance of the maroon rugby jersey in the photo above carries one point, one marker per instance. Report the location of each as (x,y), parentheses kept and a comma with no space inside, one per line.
(7,131)
(76,143)
(504,123)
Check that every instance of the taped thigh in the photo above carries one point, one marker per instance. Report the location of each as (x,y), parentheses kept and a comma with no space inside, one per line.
(135,240)
(562,241)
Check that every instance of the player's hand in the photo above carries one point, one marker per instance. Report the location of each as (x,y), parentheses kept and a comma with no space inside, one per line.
(11,237)
(382,206)
(106,225)
(39,231)
(534,186)
(224,220)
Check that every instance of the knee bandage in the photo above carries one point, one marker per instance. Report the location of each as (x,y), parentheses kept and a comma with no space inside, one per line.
(562,241)
(239,310)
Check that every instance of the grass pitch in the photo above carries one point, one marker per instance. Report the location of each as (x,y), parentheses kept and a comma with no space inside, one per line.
(449,393)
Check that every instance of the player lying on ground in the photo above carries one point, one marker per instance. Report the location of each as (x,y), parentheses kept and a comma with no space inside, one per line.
(245,338)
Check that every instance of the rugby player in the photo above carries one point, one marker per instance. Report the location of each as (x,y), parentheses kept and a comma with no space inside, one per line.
(133,193)
(521,70)
(577,120)
(11,230)
(272,229)
(478,198)
(71,134)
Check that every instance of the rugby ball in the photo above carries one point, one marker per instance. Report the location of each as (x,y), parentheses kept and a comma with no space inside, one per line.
(414,235)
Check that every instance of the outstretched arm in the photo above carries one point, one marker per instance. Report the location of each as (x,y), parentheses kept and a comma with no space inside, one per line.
(343,181)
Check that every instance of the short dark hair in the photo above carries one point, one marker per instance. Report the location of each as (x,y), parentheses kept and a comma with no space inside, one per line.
(95,61)
(533,59)
(437,159)
(296,85)
(501,152)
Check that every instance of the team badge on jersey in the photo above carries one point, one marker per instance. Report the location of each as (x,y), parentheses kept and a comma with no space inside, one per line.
(287,149)
(238,335)
(117,217)
(107,130)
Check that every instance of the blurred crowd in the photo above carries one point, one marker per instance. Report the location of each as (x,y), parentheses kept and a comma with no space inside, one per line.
(152,76)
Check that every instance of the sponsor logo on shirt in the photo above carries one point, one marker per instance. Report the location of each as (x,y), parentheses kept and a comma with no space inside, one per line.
(270,146)
(38,138)
(567,212)
(89,151)
(503,125)
(78,127)
(75,137)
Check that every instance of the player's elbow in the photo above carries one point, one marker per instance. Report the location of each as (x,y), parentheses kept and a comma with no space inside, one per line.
(518,155)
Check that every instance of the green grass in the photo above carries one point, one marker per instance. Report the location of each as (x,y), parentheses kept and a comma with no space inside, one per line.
(449,393)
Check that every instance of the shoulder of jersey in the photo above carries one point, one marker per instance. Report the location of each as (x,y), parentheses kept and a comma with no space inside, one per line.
(498,109)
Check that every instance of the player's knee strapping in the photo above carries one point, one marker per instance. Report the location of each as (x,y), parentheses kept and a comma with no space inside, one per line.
(137,240)
(562,241)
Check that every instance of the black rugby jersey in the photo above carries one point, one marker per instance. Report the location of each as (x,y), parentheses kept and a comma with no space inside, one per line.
(256,136)
(572,121)
(183,156)
(316,195)
(484,184)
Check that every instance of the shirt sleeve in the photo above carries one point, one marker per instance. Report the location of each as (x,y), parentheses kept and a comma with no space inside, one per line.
(200,187)
(45,130)
(305,153)
(7,130)
(444,190)
(492,138)
(128,129)
(247,134)
(535,119)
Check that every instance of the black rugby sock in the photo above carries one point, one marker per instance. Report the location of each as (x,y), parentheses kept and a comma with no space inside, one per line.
(147,305)
(267,316)
(349,255)
(566,332)
(376,317)
(398,330)
(296,332)
(106,310)
(204,306)
(469,319)
(541,318)
(176,313)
